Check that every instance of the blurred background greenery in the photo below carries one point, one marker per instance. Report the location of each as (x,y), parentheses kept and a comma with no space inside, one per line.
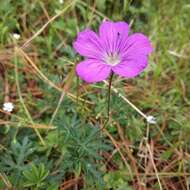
(52,140)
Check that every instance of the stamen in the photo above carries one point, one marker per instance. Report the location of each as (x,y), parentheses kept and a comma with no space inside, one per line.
(112,59)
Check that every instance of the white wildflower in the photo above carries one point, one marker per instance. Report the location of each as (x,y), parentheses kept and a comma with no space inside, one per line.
(8,106)
(16,36)
(61,1)
(151,119)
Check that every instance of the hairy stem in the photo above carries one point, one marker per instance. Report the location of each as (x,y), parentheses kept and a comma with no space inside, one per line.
(109,94)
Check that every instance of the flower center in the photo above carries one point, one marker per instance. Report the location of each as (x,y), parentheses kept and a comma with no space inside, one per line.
(112,59)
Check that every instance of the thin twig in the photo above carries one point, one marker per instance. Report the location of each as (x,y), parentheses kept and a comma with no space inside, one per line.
(47,23)
(45,79)
(154,166)
(22,101)
(93,9)
(127,101)
(129,154)
(66,87)
(121,154)
(6,180)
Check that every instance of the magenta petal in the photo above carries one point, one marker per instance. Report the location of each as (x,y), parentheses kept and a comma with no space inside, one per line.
(88,44)
(112,34)
(135,45)
(131,67)
(92,70)
(122,28)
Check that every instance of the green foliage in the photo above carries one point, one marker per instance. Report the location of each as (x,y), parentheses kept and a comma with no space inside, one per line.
(13,161)
(117,180)
(78,147)
(35,176)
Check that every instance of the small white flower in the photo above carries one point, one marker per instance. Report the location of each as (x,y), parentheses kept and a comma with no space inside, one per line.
(8,106)
(16,36)
(61,1)
(151,119)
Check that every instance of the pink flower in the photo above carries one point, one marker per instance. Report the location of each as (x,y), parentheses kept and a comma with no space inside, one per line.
(111,50)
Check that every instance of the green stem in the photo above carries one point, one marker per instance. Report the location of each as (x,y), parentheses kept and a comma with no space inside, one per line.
(77,101)
(109,94)
(108,108)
